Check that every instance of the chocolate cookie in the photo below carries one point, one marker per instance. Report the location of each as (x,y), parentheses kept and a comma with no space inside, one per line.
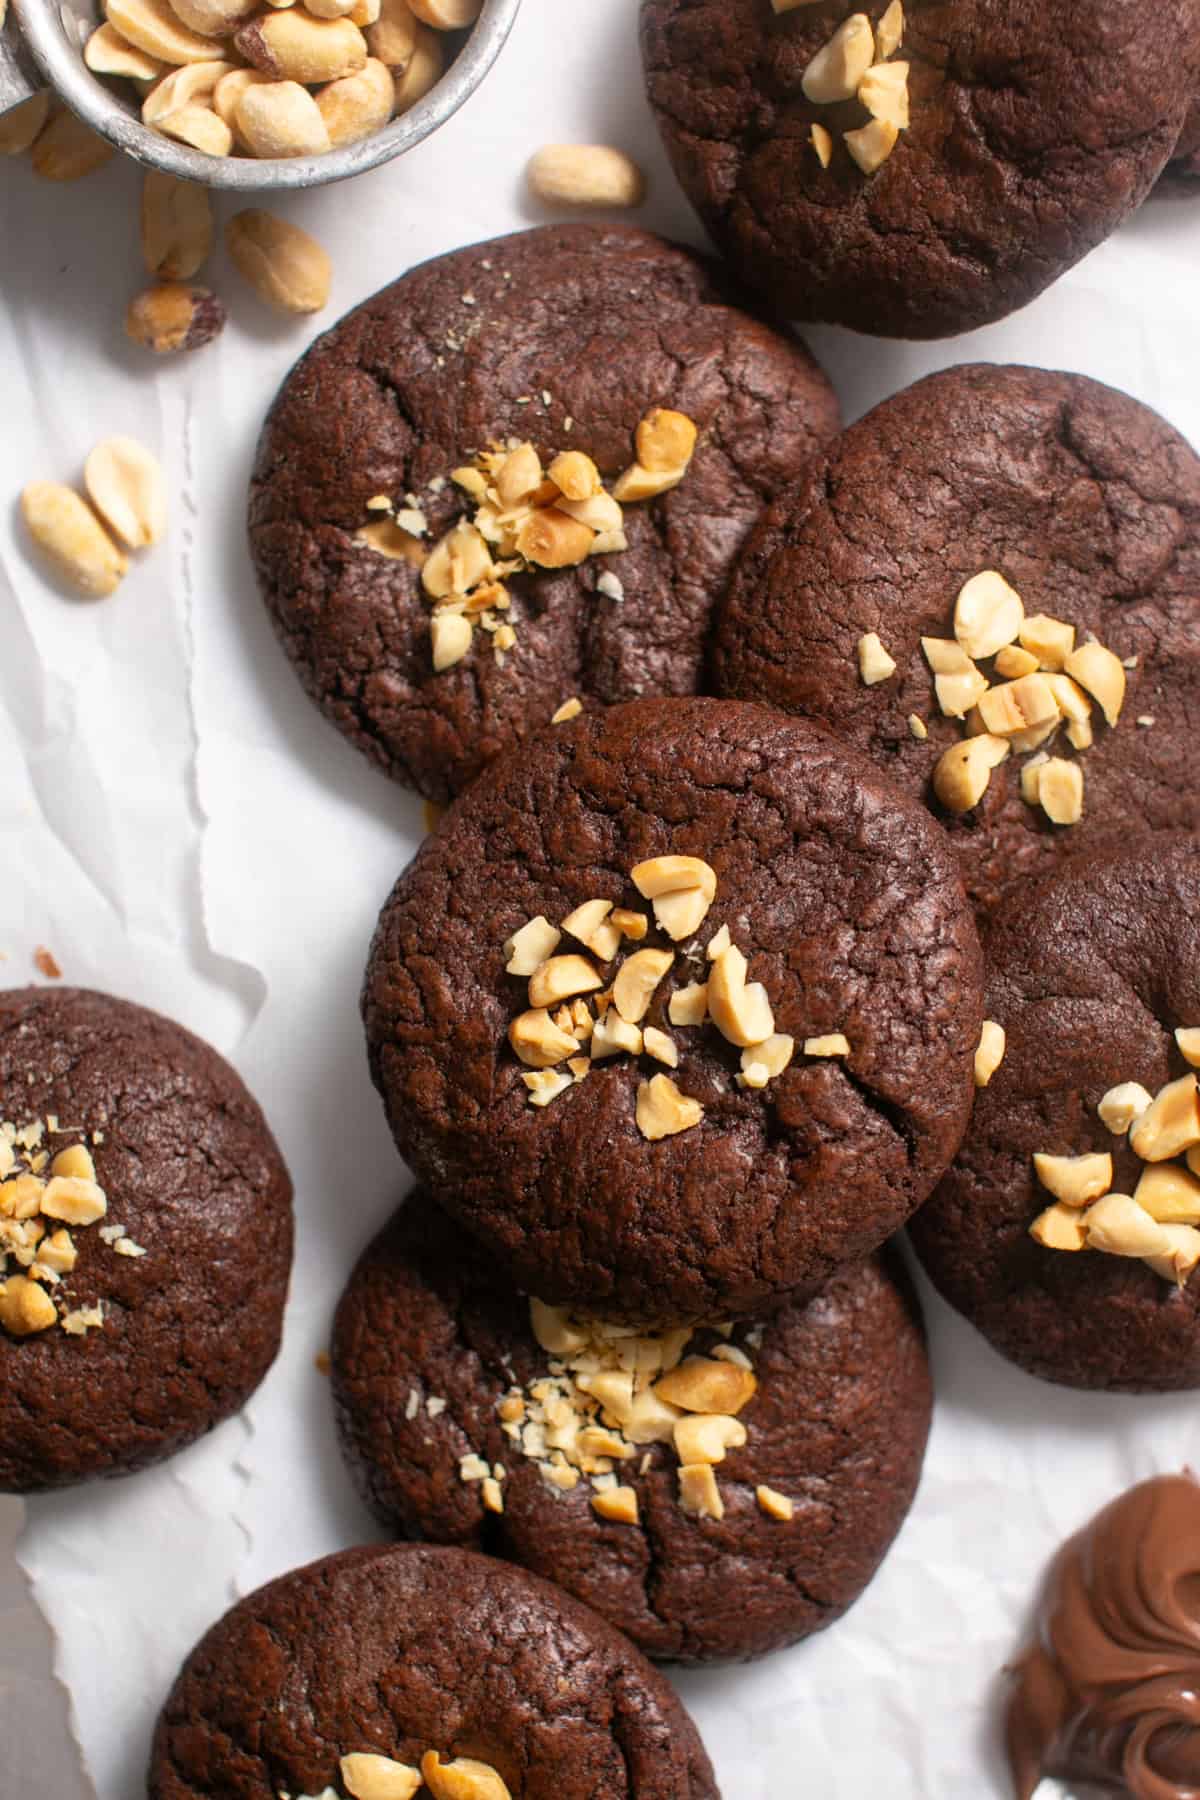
(440,1376)
(327,1679)
(145,1238)
(564,338)
(1032,131)
(1088,504)
(779,1066)
(1090,975)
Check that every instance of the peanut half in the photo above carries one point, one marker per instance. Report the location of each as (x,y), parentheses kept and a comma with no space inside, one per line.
(585,175)
(286,267)
(177,226)
(68,532)
(126,486)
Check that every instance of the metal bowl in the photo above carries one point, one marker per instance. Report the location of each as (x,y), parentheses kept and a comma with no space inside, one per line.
(55,31)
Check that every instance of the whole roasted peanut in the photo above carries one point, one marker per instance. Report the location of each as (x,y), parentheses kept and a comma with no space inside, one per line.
(358,105)
(281,118)
(67,149)
(285,267)
(177,226)
(125,485)
(227,94)
(293,46)
(190,85)
(198,126)
(213,18)
(447,15)
(20,128)
(422,72)
(107,53)
(152,26)
(393,37)
(585,175)
(174,316)
(69,534)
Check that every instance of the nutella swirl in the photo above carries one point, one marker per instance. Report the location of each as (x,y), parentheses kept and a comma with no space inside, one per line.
(1110,1693)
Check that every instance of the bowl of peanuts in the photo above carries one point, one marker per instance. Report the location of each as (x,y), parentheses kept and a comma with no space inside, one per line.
(264,94)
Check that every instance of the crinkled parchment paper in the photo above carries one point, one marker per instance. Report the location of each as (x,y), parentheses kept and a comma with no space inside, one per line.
(180,827)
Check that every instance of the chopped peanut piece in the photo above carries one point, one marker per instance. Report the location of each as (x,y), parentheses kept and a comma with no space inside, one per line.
(775,1504)
(662,1048)
(701,1384)
(1180,1258)
(1050,640)
(530,947)
(1012,662)
(1075,1179)
(739,1009)
(75,1162)
(570,709)
(73,1199)
(822,143)
(662,1111)
(680,888)
(617,1504)
(1060,791)
(988,614)
(699,1494)
(1119,1226)
(1122,1105)
(540,1041)
(707,1437)
(689,1005)
(874,663)
(1188,1039)
(636,981)
(614,1036)
(1060,1228)
(1169,1194)
(462,1779)
(1018,706)
(632,925)
(962,773)
(1102,674)
(589,924)
(990,1052)
(369,1777)
(834,1043)
(560,978)
(1170,1123)
(665,440)
(764,1062)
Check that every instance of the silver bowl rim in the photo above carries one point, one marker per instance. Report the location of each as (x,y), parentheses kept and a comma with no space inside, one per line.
(61,62)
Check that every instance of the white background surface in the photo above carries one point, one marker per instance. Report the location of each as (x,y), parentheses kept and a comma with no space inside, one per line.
(180,827)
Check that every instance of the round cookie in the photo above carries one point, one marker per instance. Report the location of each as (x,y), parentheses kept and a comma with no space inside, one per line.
(1034,130)
(565,337)
(840,894)
(146,1226)
(1085,501)
(836,1430)
(410,1654)
(1091,972)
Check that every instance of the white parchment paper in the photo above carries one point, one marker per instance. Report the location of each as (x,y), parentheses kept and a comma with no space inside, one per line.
(180,827)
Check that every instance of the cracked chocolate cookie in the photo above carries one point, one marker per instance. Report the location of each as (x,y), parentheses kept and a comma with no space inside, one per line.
(992,586)
(676,1010)
(388,1672)
(1066,1230)
(916,170)
(746,1511)
(437,604)
(145,1238)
